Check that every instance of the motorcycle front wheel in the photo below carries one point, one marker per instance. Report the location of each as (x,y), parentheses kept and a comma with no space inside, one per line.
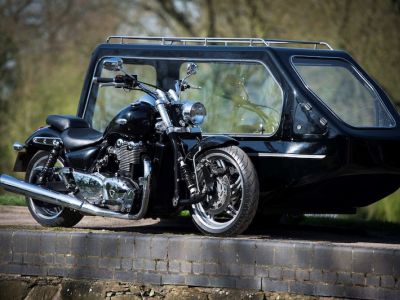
(48,215)
(232,192)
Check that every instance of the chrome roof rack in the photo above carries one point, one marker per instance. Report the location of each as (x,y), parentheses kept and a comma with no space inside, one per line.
(213,41)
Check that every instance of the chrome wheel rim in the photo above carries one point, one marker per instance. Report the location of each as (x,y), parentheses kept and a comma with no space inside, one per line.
(42,209)
(226,213)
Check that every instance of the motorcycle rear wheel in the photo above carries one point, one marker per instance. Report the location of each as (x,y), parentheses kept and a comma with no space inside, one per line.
(232,207)
(48,215)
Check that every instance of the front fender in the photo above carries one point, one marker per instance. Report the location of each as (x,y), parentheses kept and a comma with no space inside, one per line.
(211,142)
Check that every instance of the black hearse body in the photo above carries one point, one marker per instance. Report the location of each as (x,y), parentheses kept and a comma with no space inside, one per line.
(316,159)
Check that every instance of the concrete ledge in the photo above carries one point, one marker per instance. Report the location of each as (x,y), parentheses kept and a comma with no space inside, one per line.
(294,267)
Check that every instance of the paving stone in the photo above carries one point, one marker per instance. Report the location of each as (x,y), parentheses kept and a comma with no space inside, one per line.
(247,270)
(372,280)
(159,247)
(149,278)
(93,245)
(176,249)
(332,258)
(193,250)
(210,269)
(19,242)
(63,244)
(110,246)
(275,273)
(142,247)
(329,290)
(288,274)
(284,254)
(362,260)
(344,278)
(48,243)
(262,271)
(174,266)
(198,268)
(78,244)
(388,293)
(387,281)
(358,279)
(173,279)
(253,283)
(211,250)
(126,249)
(383,260)
(272,285)
(186,267)
(302,255)
(125,276)
(223,281)
(196,280)
(301,288)
(264,253)
(302,275)
(361,292)
(229,253)
(162,266)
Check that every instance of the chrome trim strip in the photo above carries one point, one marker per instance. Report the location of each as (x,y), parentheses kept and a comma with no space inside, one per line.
(289,155)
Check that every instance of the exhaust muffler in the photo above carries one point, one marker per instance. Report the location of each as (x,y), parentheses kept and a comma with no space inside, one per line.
(12,184)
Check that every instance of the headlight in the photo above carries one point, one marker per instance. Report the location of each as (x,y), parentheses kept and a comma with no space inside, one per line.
(193,112)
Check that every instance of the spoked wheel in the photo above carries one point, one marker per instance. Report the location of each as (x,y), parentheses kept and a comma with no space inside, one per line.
(228,177)
(47,214)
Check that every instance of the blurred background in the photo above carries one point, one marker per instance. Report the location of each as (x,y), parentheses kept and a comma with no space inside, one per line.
(45,47)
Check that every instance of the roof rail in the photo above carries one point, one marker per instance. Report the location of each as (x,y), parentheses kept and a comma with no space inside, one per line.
(213,41)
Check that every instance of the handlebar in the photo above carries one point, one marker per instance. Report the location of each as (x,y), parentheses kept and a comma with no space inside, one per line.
(103,80)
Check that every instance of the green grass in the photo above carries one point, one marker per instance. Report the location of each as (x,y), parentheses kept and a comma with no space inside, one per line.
(12,199)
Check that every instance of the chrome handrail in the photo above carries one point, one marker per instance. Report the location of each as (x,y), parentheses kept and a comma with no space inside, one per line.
(208,41)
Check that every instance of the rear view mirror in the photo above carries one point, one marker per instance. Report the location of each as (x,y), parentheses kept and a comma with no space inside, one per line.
(113,64)
(191,69)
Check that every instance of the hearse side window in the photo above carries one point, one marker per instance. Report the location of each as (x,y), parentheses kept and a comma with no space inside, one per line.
(111,100)
(240,97)
(337,84)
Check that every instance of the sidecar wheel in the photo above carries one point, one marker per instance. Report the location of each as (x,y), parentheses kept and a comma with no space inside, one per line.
(46,214)
(230,208)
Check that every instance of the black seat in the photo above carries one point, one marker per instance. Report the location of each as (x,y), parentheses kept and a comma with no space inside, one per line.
(63,122)
(74,138)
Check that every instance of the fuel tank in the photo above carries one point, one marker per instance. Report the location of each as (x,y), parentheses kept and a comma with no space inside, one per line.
(136,120)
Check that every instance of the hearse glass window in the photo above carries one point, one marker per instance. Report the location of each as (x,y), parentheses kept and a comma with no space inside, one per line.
(111,100)
(336,83)
(240,97)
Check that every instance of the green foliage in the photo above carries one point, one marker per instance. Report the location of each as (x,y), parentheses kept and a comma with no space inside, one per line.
(387,209)
(12,199)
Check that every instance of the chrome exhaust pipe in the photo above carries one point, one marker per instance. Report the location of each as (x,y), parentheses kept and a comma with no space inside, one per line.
(12,184)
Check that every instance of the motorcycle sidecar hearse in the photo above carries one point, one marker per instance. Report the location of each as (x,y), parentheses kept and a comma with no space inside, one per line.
(322,134)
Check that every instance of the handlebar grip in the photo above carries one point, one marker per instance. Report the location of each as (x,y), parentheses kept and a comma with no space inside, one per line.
(103,80)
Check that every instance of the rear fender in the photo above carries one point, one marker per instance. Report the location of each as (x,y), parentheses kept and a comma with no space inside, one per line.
(211,142)
(31,147)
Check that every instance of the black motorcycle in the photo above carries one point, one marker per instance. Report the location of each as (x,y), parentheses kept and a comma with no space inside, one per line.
(151,161)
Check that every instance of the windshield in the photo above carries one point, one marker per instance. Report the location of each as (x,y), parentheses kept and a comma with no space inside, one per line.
(336,83)
(240,97)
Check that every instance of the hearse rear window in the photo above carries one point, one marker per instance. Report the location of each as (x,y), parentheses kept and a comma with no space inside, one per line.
(240,97)
(346,93)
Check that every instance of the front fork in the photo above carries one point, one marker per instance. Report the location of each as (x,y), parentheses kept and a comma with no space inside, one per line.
(180,166)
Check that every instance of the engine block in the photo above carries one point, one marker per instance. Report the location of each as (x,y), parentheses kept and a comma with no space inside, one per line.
(128,153)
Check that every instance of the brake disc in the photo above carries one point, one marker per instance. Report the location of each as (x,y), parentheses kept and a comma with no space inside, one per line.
(221,197)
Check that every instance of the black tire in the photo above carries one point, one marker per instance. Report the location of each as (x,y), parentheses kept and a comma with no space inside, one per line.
(45,214)
(249,191)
